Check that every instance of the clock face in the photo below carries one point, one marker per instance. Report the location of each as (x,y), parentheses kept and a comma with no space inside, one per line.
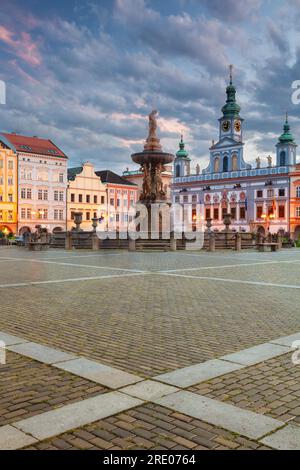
(226,126)
(237,126)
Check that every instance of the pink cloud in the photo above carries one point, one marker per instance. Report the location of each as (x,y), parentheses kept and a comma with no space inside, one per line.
(23,46)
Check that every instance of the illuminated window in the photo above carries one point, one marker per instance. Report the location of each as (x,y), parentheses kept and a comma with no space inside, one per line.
(259,211)
(281,212)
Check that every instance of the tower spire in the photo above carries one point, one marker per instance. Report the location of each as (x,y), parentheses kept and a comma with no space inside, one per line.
(230,73)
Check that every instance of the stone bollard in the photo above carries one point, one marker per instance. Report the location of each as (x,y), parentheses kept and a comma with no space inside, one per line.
(212,242)
(279,241)
(131,246)
(95,242)
(173,243)
(238,242)
(68,241)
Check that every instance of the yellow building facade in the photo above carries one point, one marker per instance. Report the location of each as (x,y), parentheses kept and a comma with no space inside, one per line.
(8,190)
(86,194)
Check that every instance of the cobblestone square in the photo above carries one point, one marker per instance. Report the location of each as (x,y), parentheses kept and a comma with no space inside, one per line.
(147,314)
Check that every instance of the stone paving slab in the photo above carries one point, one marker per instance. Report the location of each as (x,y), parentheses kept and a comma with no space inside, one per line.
(10,340)
(12,439)
(66,418)
(29,387)
(287,340)
(41,353)
(271,388)
(148,390)
(229,417)
(287,438)
(148,426)
(99,373)
(256,354)
(198,373)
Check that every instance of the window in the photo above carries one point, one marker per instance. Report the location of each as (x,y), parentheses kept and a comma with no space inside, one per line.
(72,215)
(216,164)
(55,195)
(61,177)
(242,212)
(1,215)
(118,202)
(112,201)
(207,213)
(282,160)
(88,198)
(29,193)
(46,195)
(10,198)
(298,191)
(95,199)
(45,213)
(79,197)
(177,172)
(131,202)
(216,213)
(225,164)
(72,197)
(194,198)
(61,214)
(10,165)
(10,181)
(224,212)
(61,196)
(10,215)
(23,213)
(259,193)
(56,214)
(88,216)
(23,193)
(28,213)
(298,211)
(233,213)
(95,215)
(259,211)
(270,193)
(102,199)
(185,199)
(1,179)
(281,192)
(1,198)
(1,163)
(234,162)
(40,194)
(281,212)
(270,210)
(176,199)
(117,217)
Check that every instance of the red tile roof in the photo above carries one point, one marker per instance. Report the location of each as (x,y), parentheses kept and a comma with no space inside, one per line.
(22,143)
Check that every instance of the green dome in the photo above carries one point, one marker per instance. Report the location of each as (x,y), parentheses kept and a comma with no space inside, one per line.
(286,137)
(231,108)
(182,152)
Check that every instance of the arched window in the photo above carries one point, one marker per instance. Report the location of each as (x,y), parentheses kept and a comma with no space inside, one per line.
(234,162)
(282,158)
(177,171)
(216,164)
(225,164)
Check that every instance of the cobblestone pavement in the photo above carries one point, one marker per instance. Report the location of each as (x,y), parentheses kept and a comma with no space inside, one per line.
(271,388)
(148,314)
(150,323)
(28,388)
(149,427)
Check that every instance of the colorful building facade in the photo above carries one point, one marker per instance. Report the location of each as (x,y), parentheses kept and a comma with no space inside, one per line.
(87,194)
(259,198)
(8,190)
(122,196)
(42,182)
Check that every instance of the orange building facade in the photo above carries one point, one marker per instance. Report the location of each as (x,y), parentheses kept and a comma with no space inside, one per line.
(8,190)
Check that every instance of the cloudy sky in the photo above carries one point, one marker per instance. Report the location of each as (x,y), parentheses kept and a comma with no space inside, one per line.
(86,73)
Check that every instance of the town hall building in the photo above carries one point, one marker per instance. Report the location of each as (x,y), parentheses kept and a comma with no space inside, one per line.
(260,198)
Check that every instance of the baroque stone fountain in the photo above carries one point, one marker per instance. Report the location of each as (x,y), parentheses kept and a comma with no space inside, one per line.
(152,160)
